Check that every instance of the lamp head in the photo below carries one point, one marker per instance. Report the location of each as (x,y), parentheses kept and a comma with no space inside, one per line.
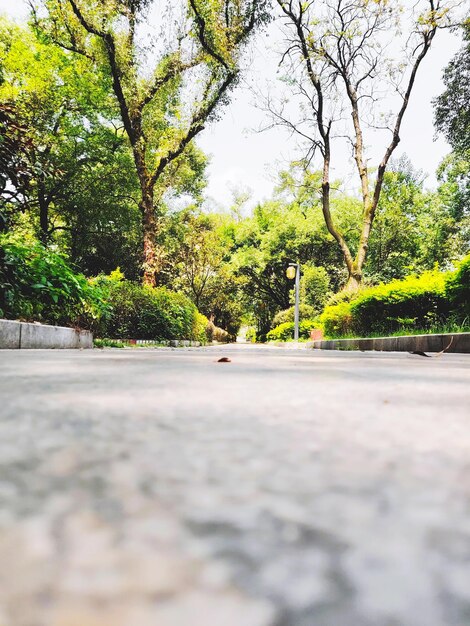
(290,272)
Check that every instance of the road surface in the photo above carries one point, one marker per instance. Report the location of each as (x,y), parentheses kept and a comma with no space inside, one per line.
(283,488)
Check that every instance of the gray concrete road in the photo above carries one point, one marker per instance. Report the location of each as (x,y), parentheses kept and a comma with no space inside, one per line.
(285,488)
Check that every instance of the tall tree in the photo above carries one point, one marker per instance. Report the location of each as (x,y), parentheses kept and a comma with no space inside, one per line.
(452,119)
(339,67)
(452,107)
(65,116)
(162,110)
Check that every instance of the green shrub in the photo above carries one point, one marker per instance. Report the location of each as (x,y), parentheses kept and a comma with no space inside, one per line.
(37,284)
(250,335)
(457,290)
(285,331)
(200,325)
(420,300)
(343,296)
(108,343)
(143,312)
(306,312)
(416,302)
(336,320)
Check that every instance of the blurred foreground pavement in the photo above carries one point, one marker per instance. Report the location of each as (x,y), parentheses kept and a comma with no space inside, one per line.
(284,488)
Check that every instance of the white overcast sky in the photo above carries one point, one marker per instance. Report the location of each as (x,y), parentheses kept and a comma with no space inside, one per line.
(242,158)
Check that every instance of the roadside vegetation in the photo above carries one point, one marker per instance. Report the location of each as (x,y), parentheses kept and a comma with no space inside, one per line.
(104,219)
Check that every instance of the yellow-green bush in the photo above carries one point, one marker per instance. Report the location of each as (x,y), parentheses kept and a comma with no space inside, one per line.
(414,303)
(285,331)
(336,320)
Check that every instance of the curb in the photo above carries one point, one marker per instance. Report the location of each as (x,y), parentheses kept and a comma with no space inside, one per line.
(23,335)
(455,343)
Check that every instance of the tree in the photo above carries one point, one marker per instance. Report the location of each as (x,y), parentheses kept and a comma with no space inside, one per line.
(337,64)
(198,253)
(452,119)
(288,228)
(395,241)
(14,172)
(452,107)
(162,110)
(65,116)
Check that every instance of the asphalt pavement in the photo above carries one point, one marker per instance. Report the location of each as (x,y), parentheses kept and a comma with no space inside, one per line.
(146,487)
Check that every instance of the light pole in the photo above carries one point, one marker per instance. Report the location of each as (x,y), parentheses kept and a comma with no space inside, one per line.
(293,271)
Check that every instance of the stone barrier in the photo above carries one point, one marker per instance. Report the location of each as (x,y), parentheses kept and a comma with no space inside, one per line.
(17,335)
(457,343)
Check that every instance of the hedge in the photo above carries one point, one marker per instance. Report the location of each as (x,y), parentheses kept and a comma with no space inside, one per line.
(416,302)
(306,312)
(285,332)
(143,312)
(458,291)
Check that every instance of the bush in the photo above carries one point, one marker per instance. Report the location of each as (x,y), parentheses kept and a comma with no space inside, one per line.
(416,302)
(37,284)
(306,312)
(457,290)
(143,312)
(336,320)
(285,331)
(343,296)
(250,335)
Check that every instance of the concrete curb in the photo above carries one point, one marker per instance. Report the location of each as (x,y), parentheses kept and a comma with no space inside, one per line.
(457,343)
(22,335)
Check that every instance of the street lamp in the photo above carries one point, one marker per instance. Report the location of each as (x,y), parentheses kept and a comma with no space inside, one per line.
(293,271)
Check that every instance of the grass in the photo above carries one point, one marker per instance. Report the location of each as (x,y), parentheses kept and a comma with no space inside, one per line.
(109,343)
(442,329)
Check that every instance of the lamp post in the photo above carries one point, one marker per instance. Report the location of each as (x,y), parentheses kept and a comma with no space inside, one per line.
(293,271)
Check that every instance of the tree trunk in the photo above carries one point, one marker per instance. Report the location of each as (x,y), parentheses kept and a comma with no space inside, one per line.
(149,228)
(353,284)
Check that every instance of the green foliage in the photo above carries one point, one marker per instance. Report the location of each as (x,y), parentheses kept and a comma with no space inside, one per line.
(250,334)
(197,264)
(38,285)
(289,228)
(143,312)
(458,290)
(342,296)
(108,343)
(200,328)
(336,319)
(306,312)
(395,240)
(452,114)
(285,332)
(314,286)
(415,303)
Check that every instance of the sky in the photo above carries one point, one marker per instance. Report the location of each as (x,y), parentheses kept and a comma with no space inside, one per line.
(242,158)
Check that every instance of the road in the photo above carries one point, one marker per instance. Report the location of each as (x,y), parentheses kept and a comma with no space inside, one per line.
(283,488)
